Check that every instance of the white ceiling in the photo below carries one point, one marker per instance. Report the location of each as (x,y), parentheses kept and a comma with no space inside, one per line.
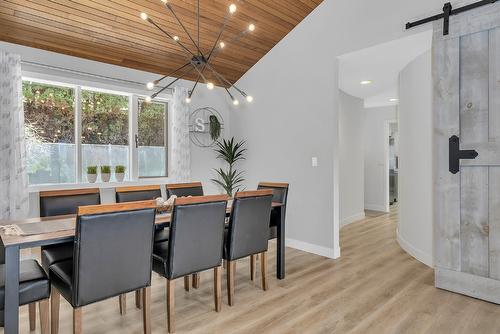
(381,64)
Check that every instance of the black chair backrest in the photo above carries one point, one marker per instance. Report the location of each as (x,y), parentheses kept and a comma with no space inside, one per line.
(196,235)
(248,231)
(280,190)
(66,202)
(139,193)
(112,253)
(185,189)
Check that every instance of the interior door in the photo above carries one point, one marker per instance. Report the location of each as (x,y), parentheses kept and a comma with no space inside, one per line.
(466,75)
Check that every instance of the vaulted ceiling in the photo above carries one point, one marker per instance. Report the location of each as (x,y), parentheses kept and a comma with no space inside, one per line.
(112,31)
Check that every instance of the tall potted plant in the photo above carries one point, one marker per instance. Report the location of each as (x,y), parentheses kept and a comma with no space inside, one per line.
(230,179)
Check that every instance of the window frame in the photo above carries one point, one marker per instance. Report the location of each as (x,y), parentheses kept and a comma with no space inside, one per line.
(134,96)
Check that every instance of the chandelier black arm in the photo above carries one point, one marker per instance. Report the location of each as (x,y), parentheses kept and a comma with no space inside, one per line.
(183,27)
(194,87)
(226,19)
(220,76)
(172,73)
(200,72)
(170,36)
(170,84)
(235,39)
(230,95)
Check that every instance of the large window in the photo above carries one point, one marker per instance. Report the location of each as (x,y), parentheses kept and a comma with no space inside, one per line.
(65,135)
(50,133)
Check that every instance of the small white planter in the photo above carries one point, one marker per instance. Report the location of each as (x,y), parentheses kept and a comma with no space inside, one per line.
(105,177)
(92,178)
(120,177)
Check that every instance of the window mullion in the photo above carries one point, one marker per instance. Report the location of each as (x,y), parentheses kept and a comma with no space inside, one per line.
(133,132)
(78,134)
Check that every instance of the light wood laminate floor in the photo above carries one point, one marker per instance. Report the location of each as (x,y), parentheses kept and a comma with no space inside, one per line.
(375,287)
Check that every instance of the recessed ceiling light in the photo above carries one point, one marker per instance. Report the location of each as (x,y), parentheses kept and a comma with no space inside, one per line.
(393,100)
(366,82)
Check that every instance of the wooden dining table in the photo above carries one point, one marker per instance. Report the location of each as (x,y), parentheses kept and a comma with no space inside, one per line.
(14,243)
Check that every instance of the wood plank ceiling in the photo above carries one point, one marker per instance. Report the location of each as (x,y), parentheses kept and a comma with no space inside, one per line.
(112,31)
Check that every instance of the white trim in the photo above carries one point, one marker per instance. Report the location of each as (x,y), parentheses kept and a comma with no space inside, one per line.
(314,249)
(352,219)
(47,187)
(415,252)
(376,207)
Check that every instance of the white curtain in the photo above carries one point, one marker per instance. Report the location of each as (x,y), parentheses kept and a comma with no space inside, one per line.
(181,157)
(13,179)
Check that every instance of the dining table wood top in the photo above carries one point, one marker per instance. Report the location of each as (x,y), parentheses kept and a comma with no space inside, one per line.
(34,240)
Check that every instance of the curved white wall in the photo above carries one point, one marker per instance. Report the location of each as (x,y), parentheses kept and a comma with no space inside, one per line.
(415,173)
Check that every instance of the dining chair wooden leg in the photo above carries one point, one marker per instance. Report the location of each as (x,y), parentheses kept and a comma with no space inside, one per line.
(218,288)
(146,309)
(196,281)
(187,283)
(32,316)
(263,269)
(138,299)
(170,306)
(123,304)
(224,264)
(230,282)
(55,300)
(43,307)
(253,263)
(77,320)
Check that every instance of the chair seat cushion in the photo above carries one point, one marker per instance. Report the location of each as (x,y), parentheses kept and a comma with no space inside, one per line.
(61,277)
(56,253)
(33,283)
(160,258)
(162,235)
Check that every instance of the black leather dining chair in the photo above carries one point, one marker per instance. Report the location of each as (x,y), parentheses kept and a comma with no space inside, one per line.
(195,245)
(185,190)
(34,287)
(112,256)
(59,203)
(247,233)
(280,195)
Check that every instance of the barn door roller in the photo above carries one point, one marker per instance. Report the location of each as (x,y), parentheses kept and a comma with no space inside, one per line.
(447,12)
(456,154)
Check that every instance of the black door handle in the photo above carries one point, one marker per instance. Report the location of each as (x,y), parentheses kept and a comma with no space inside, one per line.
(456,154)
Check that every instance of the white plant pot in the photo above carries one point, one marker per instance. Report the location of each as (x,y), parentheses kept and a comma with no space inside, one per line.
(105,177)
(92,178)
(120,177)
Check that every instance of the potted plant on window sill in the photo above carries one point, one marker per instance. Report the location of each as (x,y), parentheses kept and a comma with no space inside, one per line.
(120,173)
(105,173)
(92,174)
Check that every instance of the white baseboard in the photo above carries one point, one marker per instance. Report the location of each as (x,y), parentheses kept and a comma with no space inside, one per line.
(415,252)
(315,249)
(352,219)
(375,207)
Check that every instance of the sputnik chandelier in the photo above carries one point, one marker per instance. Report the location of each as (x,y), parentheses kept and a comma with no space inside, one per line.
(199,61)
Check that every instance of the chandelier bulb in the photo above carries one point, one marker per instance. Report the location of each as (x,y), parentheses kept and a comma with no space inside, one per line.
(222,45)
(188,100)
(176,38)
(144,16)
(148,99)
(150,85)
(236,102)
(251,27)
(232,8)
(210,85)
(249,98)
(164,1)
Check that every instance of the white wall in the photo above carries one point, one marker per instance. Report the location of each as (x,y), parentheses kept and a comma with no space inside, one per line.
(351,162)
(295,114)
(202,159)
(376,153)
(415,181)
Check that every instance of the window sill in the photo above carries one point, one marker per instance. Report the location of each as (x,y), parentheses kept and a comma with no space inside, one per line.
(102,185)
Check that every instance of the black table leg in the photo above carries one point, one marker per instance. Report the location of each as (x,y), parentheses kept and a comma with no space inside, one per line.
(11,309)
(280,258)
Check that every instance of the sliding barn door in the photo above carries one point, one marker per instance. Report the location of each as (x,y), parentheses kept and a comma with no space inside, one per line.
(466,75)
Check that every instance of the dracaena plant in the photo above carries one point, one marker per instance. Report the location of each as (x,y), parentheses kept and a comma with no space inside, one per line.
(230,179)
